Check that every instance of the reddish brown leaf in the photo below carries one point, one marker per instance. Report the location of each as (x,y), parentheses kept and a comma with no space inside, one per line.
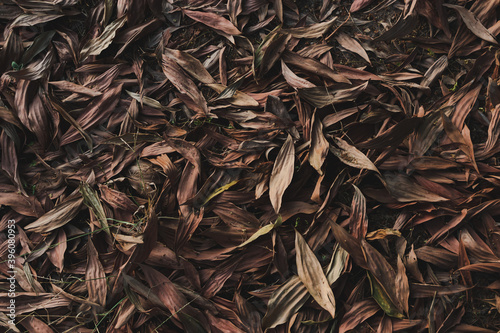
(213,21)
(358,313)
(319,145)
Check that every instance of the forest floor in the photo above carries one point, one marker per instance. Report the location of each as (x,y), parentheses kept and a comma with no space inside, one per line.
(250,166)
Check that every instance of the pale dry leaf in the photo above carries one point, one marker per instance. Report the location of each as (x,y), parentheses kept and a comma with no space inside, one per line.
(282,173)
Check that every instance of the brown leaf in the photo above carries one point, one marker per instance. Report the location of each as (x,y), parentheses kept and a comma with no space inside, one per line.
(359,313)
(312,276)
(95,113)
(439,257)
(35,70)
(282,173)
(382,234)
(403,27)
(33,324)
(390,282)
(95,276)
(312,66)
(57,217)
(97,45)
(190,64)
(358,220)
(313,31)
(352,45)
(56,255)
(487,267)
(434,71)
(402,286)
(185,85)
(323,96)
(284,302)
(351,156)
(266,58)
(186,228)
(359,4)
(349,243)
(238,98)
(452,224)
(76,88)
(473,23)
(292,79)
(405,189)
(213,21)
(393,136)
(319,145)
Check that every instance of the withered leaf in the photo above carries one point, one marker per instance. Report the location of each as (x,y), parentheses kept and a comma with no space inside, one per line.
(190,64)
(99,44)
(292,79)
(185,85)
(405,189)
(95,276)
(57,217)
(284,302)
(312,276)
(359,4)
(319,145)
(282,173)
(91,199)
(312,66)
(473,23)
(322,96)
(434,71)
(352,45)
(237,98)
(388,287)
(213,21)
(359,312)
(262,231)
(351,156)
(312,31)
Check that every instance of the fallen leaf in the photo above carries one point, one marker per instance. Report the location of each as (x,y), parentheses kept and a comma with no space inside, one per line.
(282,173)
(312,276)
(95,46)
(57,217)
(351,156)
(319,145)
(473,23)
(313,31)
(213,21)
(352,45)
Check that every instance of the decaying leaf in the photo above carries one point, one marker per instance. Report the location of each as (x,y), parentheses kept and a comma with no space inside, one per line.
(57,217)
(284,302)
(351,156)
(322,96)
(213,21)
(96,46)
(197,134)
(319,145)
(473,23)
(312,276)
(282,173)
(95,276)
(352,45)
(312,31)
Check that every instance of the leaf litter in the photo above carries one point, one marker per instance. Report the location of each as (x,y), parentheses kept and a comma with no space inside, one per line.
(251,166)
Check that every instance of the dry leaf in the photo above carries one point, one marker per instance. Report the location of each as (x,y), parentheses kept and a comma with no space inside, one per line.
(312,276)
(282,173)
